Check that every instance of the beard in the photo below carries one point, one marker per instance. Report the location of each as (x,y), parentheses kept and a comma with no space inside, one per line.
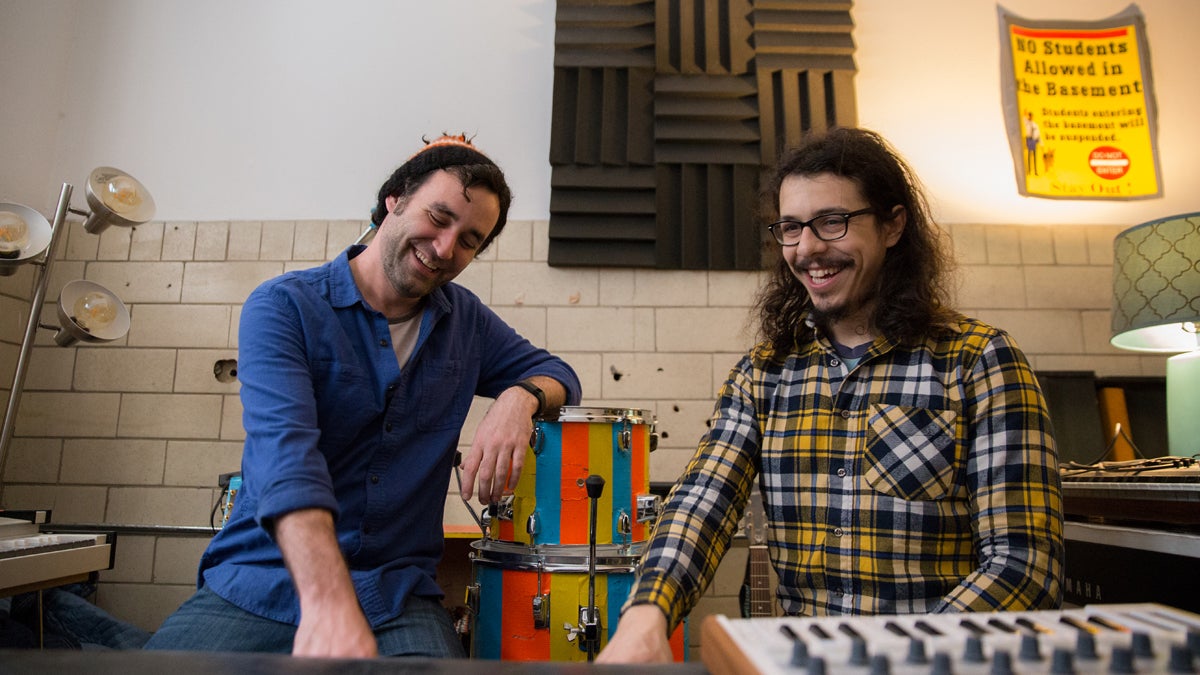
(849,309)
(402,280)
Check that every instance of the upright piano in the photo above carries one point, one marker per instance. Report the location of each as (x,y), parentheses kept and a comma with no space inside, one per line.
(1133,531)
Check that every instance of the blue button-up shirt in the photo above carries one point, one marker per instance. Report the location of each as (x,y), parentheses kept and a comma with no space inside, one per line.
(333,422)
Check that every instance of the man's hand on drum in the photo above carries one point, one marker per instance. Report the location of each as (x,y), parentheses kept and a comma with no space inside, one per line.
(498,450)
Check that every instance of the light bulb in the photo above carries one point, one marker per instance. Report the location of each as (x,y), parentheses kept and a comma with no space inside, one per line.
(14,234)
(121,194)
(94,311)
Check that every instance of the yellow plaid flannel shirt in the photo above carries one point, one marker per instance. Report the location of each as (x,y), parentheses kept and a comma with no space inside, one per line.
(922,480)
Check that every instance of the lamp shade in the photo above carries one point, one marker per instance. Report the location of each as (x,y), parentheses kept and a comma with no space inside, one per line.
(90,312)
(116,198)
(35,235)
(1156,286)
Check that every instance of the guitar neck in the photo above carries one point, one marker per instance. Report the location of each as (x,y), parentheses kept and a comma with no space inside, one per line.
(759,579)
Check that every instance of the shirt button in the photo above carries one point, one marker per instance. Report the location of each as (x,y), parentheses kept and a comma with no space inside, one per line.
(835,363)
(841,473)
(837,532)
(845,414)
(387,427)
(375,480)
(383,343)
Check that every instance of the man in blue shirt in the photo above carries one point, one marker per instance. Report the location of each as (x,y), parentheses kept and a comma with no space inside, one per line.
(356,378)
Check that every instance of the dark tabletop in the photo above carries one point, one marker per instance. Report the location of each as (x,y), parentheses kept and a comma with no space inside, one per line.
(197,663)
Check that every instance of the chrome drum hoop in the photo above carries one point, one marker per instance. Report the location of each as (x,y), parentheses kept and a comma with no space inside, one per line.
(550,558)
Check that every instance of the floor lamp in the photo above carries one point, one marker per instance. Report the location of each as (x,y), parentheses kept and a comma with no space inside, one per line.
(87,311)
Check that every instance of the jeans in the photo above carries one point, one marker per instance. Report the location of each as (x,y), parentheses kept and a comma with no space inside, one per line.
(68,614)
(208,622)
(68,621)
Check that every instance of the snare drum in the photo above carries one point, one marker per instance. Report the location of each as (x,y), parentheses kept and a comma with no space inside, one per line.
(527,606)
(549,504)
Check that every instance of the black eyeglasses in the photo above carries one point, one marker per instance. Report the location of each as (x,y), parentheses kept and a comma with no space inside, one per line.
(827,227)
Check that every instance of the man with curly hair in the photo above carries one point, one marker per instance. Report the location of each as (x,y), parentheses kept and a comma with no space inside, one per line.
(903,451)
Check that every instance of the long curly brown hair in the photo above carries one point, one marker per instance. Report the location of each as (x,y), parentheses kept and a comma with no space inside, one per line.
(914,284)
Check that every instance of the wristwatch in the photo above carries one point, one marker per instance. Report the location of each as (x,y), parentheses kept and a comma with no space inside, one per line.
(537,393)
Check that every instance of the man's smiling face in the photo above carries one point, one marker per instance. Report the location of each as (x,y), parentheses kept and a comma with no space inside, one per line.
(841,276)
(432,236)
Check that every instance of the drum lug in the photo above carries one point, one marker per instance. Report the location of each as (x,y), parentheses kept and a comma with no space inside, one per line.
(535,440)
(533,524)
(485,522)
(624,523)
(648,507)
(653,440)
(541,611)
(625,442)
(471,599)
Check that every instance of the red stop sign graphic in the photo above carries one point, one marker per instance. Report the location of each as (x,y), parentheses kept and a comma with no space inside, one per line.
(1109,162)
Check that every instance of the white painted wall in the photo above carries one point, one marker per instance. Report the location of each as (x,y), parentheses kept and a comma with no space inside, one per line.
(295,109)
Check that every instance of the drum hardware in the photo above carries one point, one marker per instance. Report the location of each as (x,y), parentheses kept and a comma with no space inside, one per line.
(541,604)
(535,440)
(471,598)
(648,507)
(533,524)
(488,519)
(541,611)
(589,622)
(626,437)
(504,508)
(624,522)
(589,617)
(480,521)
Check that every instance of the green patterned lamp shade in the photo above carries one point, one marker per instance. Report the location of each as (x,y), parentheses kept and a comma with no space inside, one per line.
(1156,286)
(1156,308)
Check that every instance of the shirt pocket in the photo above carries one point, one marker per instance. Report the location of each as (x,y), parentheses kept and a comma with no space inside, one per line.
(911,452)
(443,399)
(341,409)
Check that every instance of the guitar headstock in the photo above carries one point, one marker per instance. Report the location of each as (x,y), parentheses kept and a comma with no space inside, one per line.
(755,519)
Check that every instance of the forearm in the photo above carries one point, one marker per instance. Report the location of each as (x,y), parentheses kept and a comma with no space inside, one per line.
(308,542)
(1015,488)
(553,392)
(693,532)
(331,621)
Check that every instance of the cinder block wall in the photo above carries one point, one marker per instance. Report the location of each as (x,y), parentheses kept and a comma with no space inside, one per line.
(136,432)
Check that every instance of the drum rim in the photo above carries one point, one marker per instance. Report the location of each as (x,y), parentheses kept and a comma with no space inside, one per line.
(577,413)
(566,557)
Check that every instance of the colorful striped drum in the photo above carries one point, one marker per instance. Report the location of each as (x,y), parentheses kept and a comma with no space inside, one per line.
(549,504)
(526,606)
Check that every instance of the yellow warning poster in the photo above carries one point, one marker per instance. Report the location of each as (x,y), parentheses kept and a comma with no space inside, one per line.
(1079,107)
